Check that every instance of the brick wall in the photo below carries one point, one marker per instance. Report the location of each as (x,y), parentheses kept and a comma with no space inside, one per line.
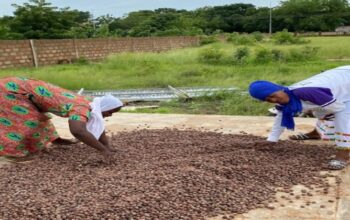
(25,53)
(15,54)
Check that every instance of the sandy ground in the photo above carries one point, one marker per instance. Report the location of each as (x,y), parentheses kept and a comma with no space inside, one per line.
(338,210)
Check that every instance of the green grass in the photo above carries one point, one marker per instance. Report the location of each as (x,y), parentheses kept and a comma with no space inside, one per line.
(183,68)
(220,103)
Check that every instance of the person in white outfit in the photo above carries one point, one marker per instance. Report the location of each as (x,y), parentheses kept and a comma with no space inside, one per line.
(326,94)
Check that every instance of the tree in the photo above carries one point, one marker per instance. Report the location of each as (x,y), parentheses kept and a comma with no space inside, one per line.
(38,19)
(311,15)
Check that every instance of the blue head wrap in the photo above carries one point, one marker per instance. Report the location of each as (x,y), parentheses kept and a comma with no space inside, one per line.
(262,89)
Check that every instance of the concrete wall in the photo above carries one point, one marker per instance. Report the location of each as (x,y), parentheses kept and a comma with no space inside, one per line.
(27,53)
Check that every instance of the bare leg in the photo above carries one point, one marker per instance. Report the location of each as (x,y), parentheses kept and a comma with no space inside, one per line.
(342,155)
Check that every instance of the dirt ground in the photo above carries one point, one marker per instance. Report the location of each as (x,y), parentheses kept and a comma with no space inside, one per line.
(235,125)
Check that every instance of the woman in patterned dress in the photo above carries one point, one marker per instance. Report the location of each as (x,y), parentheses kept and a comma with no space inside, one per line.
(25,127)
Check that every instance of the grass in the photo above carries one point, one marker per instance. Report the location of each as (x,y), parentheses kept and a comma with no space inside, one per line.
(183,68)
(221,103)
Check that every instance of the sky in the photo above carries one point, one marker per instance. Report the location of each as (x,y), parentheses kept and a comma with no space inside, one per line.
(119,8)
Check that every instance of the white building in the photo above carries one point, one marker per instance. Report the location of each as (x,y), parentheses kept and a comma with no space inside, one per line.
(343,29)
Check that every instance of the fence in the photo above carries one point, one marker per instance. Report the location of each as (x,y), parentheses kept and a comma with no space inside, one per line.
(27,53)
(324,34)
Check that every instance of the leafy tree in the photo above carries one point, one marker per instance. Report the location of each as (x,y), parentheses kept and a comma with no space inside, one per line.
(311,15)
(38,19)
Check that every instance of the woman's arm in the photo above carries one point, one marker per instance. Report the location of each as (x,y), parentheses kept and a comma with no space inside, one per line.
(103,139)
(78,130)
(276,129)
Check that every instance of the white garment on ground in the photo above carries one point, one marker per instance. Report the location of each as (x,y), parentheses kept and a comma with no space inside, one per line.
(96,124)
(338,81)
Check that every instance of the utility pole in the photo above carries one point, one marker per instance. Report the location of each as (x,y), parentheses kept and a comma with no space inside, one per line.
(270,21)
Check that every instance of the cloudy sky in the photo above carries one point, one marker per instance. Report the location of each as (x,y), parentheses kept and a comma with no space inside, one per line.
(119,8)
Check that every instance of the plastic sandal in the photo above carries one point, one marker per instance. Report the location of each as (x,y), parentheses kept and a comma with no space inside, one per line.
(302,137)
(337,164)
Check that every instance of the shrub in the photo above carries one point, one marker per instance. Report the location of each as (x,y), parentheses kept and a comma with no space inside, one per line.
(80,61)
(278,55)
(285,37)
(241,55)
(304,54)
(241,39)
(231,36)
(310,52)
(258,36)
(211,55)
(204,40)
(263,56)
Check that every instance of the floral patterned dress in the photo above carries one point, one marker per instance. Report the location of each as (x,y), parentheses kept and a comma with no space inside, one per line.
(25,126)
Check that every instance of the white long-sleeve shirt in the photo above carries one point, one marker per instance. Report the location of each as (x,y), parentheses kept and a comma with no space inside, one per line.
(323,94)
(318,111)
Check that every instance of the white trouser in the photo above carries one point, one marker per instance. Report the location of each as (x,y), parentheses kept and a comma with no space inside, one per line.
(337,129)
(326,129)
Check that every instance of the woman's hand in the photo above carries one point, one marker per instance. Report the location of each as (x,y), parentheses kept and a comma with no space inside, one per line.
(64,141)
(265,143)
(78,129)
(108,156)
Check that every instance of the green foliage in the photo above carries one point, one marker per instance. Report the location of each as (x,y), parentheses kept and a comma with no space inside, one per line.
(263,55)
(207,40)
(304,54)
(211,56)
(241,55)
(257,35)
(38,19)
(278,55)
(222,103)
(4,31)
(312,15)
(243,39)
(81,61)
(284,37)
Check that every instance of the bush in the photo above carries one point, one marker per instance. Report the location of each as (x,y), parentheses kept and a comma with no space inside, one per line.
(241,55)
(304,54)
(278,55)
(241,39)
(310,52)
(258,36)
(263,56)
(231,36)
(204,40)
(211,55)
(80,61)
(285,37)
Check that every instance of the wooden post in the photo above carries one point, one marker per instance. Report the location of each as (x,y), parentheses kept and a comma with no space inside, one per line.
(76,49)
(32,46)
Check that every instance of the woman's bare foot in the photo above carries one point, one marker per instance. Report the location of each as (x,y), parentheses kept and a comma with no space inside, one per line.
(63,141)
(25,159)
(342,155)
